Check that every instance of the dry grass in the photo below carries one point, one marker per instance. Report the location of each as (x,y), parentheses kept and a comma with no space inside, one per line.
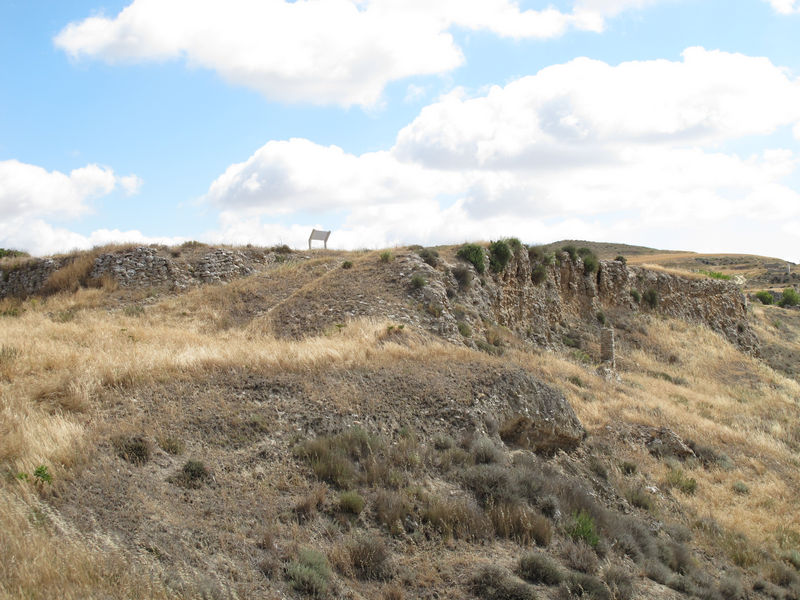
(733,403)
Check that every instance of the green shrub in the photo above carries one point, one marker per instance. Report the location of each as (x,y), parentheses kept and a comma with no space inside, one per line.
(628,467)
(494,583)
(514,244)
(171,445)
(472,253)
(536,254)
(517,521)
(587,586)
(538,567)
(499,255)
(418,281)
(386,256)
(7,252)
(351,502)
(348,264)
(464,329)
(789,298)
(765,297)
(310,573)
(741,488)
(636,296)
(572,251)
(538,274)
(590,264)
(621,259)
(583,528)
(717,275)
(429,255)
(601,317)
(676,478)
(391,510)
(651,298)
(42,474)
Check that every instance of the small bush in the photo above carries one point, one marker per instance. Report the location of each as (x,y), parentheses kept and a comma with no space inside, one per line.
(494,583)
(536,254)
(463,276)
(418,281)
(731,588)
(621,259)
(133,448)
(369,557)
(472,253)
(430,256)
(651,298)
(579,556)
(741,488)
(765,297)
(516,521)
(485,452)
(458,518)
(640,498)
(279,249)
(676,478)
(572,251)
(717,275)
(310,573)
(781,574)
(619,582)
(538,567)
(583,528)
(676,556)
(514,244)
(310,503)
(789,298)
(351,503)
(386,256)
(499,255)
(192,474)
(587,586)
(628,468)
(171,445)
(590,264)
(601,317)
(464,329)
(636,296)
(9,253)
(391,510)
(657,572)
(42,474)
(538,274)
(348,264)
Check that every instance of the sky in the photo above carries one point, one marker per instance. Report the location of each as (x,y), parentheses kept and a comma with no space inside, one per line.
(673,124)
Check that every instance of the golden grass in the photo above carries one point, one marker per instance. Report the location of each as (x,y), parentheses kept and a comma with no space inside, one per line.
(51,381)
(731,402)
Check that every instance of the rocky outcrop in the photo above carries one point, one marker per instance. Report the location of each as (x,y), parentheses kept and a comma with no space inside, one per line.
(26,278)
(540,311)
(142,267)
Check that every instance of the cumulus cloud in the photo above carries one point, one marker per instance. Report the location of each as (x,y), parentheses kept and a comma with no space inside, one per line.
(785,7)
(583,149)
(317,51)
(31,190)
(30,194)
(587,111)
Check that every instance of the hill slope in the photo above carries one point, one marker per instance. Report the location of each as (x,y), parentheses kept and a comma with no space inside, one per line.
(313,430)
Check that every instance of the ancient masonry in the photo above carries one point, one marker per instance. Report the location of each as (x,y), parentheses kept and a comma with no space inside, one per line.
(607,347)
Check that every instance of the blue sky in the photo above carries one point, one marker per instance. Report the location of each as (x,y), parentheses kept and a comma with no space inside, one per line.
(669,123)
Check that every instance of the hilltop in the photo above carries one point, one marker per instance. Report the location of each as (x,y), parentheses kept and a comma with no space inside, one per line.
(215,422)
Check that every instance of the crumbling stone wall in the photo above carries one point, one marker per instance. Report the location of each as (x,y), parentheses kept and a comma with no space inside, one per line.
(24,279)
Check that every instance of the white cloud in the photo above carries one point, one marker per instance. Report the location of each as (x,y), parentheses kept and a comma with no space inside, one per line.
(132,184)
(317,51)
(583,149)
(31,190)
(586,110)
(42,238)
(785,7)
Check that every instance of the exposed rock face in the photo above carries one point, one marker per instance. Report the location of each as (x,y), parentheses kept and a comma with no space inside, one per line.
(27,278)
(536,311)
(143,266)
